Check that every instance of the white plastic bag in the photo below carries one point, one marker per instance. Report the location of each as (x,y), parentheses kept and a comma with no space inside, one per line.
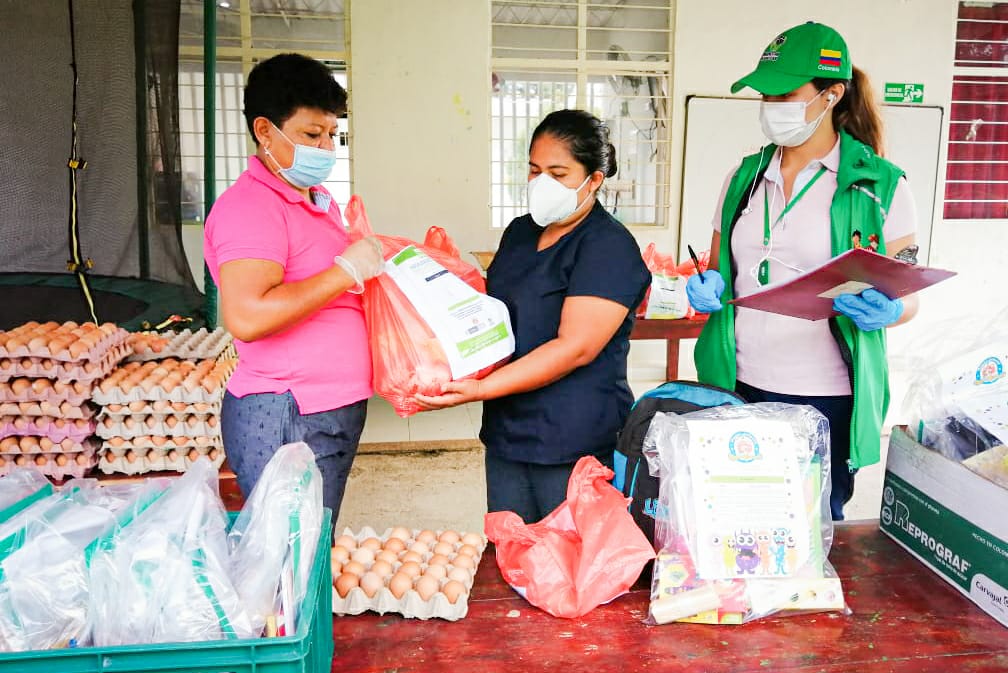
(743,528)
(275,536)
(21,483)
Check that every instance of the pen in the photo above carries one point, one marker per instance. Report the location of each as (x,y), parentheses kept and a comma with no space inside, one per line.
(696,262)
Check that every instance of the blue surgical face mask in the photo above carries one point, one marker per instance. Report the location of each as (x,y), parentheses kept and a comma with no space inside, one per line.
(311,165)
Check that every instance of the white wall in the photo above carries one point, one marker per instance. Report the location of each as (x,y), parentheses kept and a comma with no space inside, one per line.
(420,95)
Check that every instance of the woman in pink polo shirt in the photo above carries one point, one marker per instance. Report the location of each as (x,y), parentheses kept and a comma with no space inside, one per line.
(289,282)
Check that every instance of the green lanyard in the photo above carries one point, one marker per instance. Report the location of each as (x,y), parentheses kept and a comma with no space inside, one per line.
(764,267)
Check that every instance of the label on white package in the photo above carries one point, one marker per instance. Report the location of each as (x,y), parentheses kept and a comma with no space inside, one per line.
(474,329)
(667,298)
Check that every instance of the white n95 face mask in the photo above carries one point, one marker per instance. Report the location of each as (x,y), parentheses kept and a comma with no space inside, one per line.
(550,200)
(784,123)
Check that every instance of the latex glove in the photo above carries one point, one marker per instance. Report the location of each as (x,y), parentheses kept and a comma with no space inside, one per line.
(870,310)
(704,291)
(362,260)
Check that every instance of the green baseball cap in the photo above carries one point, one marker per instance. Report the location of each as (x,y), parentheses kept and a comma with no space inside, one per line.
(796,56)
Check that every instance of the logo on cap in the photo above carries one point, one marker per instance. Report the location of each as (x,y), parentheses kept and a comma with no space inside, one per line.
(829,59)
(772,52)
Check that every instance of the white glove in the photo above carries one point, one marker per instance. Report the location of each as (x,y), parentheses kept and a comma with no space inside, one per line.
(362,261)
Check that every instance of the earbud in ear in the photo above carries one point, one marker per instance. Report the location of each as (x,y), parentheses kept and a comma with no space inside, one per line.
(831,97)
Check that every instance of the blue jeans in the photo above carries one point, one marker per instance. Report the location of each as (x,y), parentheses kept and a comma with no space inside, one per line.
(837,410)
(529,490)
(255,426)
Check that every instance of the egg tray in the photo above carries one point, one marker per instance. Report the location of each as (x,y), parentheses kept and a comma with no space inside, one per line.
(47,368)
(74,465)
(411,605)
(75,343)
(44,390)
(131,383)
(171,425)
(61,410)
(120,445)
(56,429)
(184,345)
(17,445)
(160,409)
(155,460)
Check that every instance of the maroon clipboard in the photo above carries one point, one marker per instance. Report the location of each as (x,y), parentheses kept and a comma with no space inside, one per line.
(810,295)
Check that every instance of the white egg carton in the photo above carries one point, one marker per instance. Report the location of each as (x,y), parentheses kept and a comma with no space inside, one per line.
(156,460)
(411,605)
(120,445)
(48,368)
(183,345)
(160,409)
(164,426)
(55,465)
(60,409)
(56,429)
(116,394)
(44,390)
(113,336)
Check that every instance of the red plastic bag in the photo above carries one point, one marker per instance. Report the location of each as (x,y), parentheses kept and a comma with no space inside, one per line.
(438,238)
(585,553)
(406,356)
(659,263)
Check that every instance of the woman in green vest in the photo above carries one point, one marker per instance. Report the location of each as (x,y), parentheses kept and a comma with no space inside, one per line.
(818,189)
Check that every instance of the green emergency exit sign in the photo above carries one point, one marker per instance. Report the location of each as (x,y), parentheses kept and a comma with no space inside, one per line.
(904,92)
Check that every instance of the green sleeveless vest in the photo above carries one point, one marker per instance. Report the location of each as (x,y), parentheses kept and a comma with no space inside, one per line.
(865,187)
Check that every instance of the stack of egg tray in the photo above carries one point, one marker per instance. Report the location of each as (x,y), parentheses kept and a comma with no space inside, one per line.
(183,345)
(47,373)
(161,415)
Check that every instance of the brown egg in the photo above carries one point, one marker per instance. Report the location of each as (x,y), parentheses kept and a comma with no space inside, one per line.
(449,536)
(371,582)
(394,544)
(346,541)
(61,460)
(45,444)
(420,547)
(437,572)
(19,386)
(411,568)
(469,550)
(453,590)
(388,556)
(372,543)
(475,539)
(363,555)
(193,454)
(381,568)
(355,567)
(77,349)
(82,459)
(426,586)
(213,454)
(116,441)
(426,536)
(340,554)
(13,344)
(41,460)
(68,444)
(401,533)
(8,444)
(444,548)
(463,561)
(345,583)
(460,575)
(38,343)
(410,556)
(21,460)
(438,560)
(137,405)
(399,584)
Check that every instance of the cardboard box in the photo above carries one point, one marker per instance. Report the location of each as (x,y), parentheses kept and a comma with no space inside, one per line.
(950,518)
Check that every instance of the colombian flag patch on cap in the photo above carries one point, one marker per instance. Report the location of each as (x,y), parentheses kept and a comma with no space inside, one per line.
(830,57)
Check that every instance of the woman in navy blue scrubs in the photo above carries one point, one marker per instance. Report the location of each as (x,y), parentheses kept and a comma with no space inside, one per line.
(571,276)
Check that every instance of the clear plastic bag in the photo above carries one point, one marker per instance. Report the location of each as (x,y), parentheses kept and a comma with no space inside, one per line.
(162,574)
(743,525)
(666,296)
(18,485)
(275,536)
(408,352)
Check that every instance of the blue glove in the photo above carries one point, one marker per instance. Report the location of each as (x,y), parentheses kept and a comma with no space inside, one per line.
(870,310)
(704,291)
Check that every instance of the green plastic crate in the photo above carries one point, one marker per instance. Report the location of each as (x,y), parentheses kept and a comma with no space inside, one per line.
(310,650)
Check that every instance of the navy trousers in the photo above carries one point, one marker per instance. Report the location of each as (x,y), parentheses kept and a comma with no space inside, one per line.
(255,426)
(837,410)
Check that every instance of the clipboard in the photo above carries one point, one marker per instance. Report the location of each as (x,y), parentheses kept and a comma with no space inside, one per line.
(810,295)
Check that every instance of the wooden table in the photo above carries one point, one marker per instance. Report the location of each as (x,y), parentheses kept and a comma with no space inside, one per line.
(905,619)
(672,331)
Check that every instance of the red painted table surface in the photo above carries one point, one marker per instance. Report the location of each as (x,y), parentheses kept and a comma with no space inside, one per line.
(904,619)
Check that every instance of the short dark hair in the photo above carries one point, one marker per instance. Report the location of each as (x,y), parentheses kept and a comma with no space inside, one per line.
(586,137)
(280,85)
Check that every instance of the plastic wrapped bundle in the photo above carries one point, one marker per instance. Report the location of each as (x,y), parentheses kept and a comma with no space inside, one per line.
(743,526)
(274,538)
(162,574)
(43,575)
(18,485)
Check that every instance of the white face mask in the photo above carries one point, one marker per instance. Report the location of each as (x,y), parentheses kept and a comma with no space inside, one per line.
(550,200)
(784,123)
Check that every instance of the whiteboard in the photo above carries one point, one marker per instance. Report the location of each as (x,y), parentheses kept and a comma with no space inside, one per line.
(720,131)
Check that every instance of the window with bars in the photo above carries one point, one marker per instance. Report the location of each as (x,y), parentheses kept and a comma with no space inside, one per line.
(612,59)
(249,31)
(976,185)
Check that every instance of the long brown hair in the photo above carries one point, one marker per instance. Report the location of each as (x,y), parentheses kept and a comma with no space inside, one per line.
(858,111)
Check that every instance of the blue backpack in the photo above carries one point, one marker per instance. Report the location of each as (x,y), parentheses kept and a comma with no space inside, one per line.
(630,465)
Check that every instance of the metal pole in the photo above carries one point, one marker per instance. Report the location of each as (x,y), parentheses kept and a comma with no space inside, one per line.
(144,174)
(209,144)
